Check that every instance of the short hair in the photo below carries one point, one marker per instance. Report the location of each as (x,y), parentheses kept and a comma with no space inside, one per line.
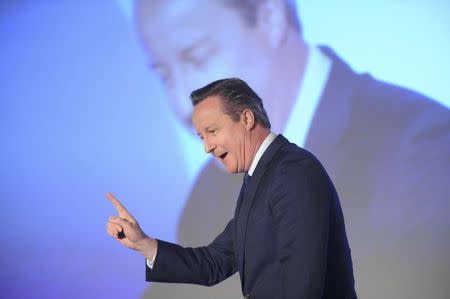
(249,9)
(236,96)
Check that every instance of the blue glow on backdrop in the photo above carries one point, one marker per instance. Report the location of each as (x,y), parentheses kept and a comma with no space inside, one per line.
(81,114)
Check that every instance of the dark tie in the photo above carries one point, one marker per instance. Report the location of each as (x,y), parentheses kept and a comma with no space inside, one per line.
(246,181)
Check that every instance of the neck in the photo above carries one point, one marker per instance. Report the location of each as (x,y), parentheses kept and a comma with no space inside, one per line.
(256,138)
(289,64)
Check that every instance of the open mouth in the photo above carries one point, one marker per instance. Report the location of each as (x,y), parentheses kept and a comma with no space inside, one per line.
(223,156)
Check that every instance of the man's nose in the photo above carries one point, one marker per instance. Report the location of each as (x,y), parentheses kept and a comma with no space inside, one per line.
(209,147)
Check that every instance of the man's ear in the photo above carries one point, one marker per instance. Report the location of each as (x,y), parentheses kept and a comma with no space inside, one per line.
(248,118)
(272,21)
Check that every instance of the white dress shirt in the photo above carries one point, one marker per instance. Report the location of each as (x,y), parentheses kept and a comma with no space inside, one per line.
(317,72)
(262,148)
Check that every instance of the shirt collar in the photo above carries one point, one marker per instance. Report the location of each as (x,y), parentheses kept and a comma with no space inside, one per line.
(261,151)
(317,71)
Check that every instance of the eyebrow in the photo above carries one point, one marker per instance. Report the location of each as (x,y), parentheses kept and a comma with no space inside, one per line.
(196,45)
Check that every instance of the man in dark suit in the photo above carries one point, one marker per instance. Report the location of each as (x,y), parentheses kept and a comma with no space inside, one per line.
(385,147)
(287,238)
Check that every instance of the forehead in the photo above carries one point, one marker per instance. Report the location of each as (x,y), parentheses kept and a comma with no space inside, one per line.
(207,112)
(179,10)
(167,24)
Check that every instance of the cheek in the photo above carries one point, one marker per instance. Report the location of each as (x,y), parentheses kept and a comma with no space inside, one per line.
(219,66)
(235,144)
(197,77)
(247,64)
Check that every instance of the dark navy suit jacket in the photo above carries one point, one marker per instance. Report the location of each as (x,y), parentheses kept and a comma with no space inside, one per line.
(287,240)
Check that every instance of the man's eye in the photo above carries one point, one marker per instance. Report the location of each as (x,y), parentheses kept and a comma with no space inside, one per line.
(163,73)
(199,63)
(199,57)
(212,131)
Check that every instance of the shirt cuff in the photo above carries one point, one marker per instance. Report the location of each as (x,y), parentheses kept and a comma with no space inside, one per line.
(151,262)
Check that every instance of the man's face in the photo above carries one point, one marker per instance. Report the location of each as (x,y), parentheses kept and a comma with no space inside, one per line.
(222,137)
(192,43)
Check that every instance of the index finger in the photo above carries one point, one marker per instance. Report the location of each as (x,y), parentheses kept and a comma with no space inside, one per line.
(118,205)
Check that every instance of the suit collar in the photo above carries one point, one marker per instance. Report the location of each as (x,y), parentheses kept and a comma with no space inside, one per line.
(242,218)
(262,148)
(278,142)
(332,117)
(311,86)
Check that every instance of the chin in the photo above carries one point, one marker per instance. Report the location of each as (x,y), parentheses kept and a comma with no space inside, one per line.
(223,166)
(231,169)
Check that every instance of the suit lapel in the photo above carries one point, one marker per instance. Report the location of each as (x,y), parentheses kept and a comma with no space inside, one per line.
(249,196)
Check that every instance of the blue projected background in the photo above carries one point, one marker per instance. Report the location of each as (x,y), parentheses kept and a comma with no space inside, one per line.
(82,114)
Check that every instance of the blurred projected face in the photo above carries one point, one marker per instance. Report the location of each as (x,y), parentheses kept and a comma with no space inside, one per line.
(222,137)
(192,43)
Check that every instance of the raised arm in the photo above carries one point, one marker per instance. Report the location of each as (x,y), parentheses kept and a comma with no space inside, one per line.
(206,265)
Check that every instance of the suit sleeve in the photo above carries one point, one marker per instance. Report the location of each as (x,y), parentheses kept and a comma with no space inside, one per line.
(302,193)
(207,265)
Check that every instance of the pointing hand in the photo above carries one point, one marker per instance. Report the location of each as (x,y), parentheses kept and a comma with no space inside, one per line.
(127,231)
